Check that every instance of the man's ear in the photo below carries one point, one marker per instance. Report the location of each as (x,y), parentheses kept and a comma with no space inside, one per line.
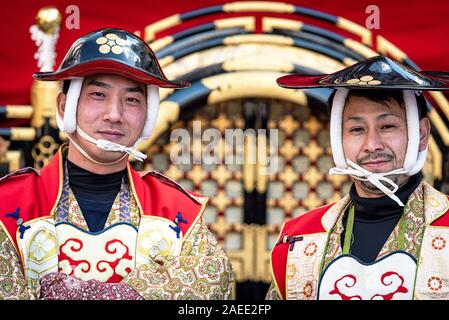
(61,101)
(424,133)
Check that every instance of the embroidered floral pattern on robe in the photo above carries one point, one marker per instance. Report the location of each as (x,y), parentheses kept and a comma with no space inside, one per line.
(425,203)
(202,271)
(12,282)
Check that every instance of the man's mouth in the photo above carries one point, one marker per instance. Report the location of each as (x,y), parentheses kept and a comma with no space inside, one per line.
(375,164)
(110,134)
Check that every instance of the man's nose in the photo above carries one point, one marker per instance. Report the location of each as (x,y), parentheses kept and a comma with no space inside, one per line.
(114,110)
(373,141)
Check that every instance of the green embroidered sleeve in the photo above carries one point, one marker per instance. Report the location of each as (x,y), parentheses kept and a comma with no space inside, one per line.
(272,293)
(12,280)
(201,271)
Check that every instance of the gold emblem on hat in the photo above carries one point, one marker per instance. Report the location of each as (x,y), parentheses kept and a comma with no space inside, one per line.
(111,42)
(363,81)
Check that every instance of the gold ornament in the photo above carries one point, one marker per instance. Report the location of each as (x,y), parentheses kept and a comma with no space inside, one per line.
(365,80)
(48,19)
(111,42)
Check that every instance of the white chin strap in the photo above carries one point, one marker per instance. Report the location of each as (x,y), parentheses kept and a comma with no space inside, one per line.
(69,125)
(413,162)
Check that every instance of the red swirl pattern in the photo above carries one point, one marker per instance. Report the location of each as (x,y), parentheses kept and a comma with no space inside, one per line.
(399,289)
(75,247)
(115,278)
(342,295)
(384,279)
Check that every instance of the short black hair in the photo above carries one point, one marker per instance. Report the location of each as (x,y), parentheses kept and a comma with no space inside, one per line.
(65,86)
(384,96)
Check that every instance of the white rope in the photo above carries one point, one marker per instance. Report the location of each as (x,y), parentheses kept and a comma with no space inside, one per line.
(112,146)
(84,153)
(359,173)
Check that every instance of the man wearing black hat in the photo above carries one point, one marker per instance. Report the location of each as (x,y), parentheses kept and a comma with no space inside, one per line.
(388,239)
(88,226)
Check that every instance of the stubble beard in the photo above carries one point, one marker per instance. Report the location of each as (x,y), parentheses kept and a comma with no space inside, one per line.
(399,180)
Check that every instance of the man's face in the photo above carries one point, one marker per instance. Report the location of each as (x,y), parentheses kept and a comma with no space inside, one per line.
(375,137)
(112,108)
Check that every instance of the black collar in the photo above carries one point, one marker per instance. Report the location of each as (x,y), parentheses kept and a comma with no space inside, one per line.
(93,183)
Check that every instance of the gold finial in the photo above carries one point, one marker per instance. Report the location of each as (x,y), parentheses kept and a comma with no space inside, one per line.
(48,19)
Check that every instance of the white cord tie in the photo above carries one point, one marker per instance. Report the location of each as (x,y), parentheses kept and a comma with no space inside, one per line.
(359,173)
(109,146)
(112,146)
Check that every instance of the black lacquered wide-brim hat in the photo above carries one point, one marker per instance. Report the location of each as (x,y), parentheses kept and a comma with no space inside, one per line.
(378,72)
(113,51)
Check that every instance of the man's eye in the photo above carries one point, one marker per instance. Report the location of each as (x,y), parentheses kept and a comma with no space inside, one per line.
(98,94)
(388,126)
(133,100)
(356,130)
